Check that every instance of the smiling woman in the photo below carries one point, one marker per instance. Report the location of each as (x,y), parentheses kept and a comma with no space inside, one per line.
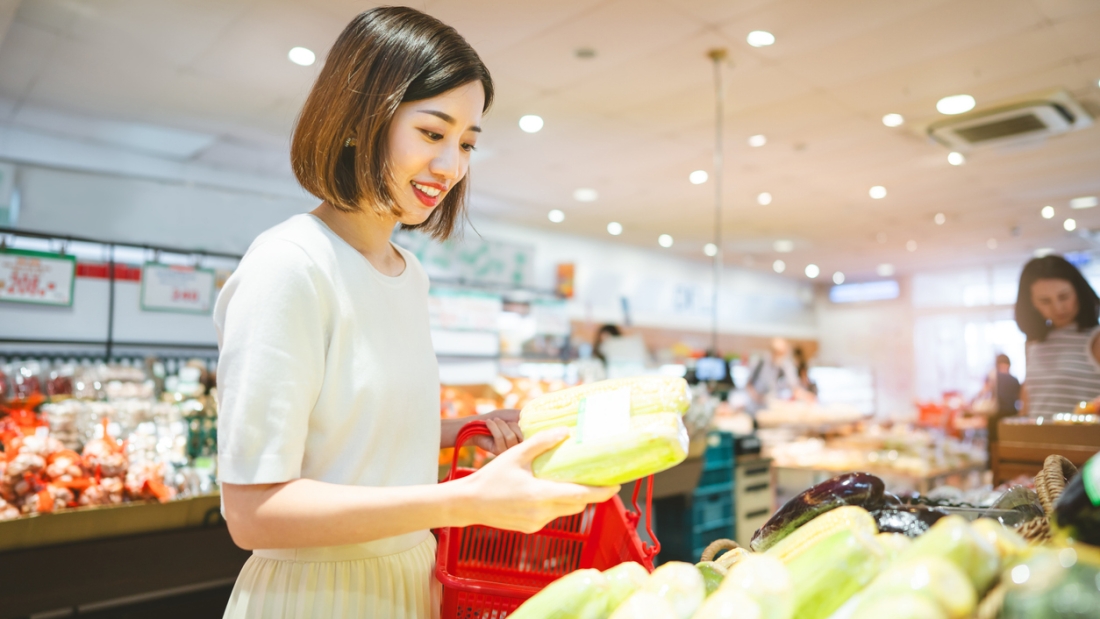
(328,425)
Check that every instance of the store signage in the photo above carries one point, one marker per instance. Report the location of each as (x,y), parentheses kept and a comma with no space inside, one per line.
(464,310)
(166,288)
(36,277)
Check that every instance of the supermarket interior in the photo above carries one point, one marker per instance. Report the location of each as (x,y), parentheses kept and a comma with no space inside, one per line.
(813,282)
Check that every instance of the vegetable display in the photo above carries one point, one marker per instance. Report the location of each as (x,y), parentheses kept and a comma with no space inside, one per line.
(859,489)
(859,555)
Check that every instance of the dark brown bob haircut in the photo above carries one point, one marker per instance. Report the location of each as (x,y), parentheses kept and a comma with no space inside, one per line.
(385,57)
(1028,318)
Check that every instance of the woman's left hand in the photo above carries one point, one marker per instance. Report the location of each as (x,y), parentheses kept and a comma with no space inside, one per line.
(504,424)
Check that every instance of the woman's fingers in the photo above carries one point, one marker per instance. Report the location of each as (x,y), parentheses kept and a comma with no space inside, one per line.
(499,443)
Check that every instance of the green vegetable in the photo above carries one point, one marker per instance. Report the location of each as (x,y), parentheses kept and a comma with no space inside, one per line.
(766,580)
(679,584)
(622,581)
(1077,510)
(952,538)
(712,575)
(644,605)
(579,595)
(1055,583)
(839,566)
(730,603)
(653,443)
(934,577)
(901,606)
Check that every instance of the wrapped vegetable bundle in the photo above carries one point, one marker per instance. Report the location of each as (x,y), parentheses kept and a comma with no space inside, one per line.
(579,595)
(834,570)
(620,430)
(766,581)
(860,489)
(680,585)
(648,394)
(940,581)
(953,538)
(1055,583)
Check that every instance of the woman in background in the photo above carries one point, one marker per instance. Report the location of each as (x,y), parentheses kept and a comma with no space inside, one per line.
(1057,310)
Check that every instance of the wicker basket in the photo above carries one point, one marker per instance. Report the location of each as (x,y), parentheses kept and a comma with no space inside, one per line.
(1049,484)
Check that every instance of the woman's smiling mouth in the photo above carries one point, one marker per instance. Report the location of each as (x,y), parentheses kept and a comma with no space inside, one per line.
(427,193)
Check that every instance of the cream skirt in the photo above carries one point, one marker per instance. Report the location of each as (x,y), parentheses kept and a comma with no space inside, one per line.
(362,580)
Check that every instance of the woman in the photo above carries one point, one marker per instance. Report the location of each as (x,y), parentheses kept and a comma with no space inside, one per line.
(1057,310)
(329,424)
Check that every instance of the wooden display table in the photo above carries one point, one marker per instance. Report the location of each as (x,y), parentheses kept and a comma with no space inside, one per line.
(83,559)
(1025,442)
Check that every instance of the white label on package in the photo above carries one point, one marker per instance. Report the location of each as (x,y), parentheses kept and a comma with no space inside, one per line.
(603,415)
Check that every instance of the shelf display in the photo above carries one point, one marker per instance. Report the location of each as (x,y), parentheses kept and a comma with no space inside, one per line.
(825,555)
(99,436)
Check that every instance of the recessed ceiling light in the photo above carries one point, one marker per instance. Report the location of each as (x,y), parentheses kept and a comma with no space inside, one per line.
(698,177)
(885,269)
(1043,252)
(664,240)
(838,278)
(881,237)
(556,216)
(710,249)
(955,158)
(760,38)
(991,243)
(812,271)
(1047,212)
(764,199)
(779,266)
(757,140)
(530,123)
(911,245)
(1070,225)
(940,219)
(877,192)
(585,194)
(614,228)
(1083,202)
(955,104)
(783,246)
(301,56)
(893,120)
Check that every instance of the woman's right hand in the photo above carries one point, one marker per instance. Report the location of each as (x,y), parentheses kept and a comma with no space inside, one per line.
(504,494)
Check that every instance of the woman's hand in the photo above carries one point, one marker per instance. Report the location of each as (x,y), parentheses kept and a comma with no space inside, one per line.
(504,424)
(505,495)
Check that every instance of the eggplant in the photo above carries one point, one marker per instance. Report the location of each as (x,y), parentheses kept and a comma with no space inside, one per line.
(862,489)
(907,520)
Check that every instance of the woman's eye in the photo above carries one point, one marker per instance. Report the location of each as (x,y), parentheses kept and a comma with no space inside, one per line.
(469,148)
(433,136)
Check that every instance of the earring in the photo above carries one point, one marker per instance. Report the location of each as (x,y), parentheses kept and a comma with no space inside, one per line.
(348,143)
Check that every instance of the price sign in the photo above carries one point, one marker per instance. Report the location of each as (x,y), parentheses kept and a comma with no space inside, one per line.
(37,277)
(166,288)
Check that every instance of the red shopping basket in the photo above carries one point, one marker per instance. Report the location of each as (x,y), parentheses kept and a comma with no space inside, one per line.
(487,573)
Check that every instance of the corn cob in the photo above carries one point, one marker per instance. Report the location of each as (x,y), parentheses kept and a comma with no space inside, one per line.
(652,444)
(578,595)
(846,517)
(834,570)
(648,394)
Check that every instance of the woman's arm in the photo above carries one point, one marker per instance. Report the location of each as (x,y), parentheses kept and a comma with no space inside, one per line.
(503,423)
(504,494)
(1023,400)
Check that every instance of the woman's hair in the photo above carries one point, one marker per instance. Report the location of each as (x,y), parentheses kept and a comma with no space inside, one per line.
(386,56)
(1028,318)
(597,348)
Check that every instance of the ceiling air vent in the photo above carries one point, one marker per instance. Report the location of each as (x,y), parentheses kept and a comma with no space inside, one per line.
(1033,118)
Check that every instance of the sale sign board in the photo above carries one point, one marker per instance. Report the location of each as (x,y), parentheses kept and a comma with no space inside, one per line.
(166,288)
(36,277)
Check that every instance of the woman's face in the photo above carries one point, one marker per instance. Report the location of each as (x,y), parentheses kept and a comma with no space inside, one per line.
(430,142)
(1056,300)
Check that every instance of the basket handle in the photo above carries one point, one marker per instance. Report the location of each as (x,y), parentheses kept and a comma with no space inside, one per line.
(465,433)
(648,550)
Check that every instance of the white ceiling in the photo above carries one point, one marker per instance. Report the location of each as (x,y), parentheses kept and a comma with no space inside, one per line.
(208,81)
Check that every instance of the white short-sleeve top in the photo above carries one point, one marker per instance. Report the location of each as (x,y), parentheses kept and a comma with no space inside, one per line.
(326,367)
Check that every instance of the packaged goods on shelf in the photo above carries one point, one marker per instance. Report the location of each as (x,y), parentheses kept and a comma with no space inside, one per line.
(105,441)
